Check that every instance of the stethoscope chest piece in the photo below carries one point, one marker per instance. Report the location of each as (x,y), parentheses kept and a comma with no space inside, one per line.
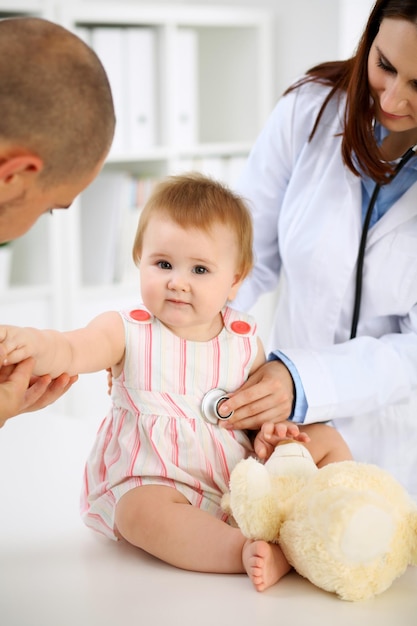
(211,403)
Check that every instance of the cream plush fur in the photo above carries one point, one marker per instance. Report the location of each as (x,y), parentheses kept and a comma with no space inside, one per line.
(349,527)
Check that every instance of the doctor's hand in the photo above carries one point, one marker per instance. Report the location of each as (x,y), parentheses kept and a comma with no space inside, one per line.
(267,396)
(20,392)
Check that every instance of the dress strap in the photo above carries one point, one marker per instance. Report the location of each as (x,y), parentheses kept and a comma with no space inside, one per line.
(141,315)
(239,323)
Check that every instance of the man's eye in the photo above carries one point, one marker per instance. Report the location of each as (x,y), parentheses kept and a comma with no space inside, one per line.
(164,265)
(199,269)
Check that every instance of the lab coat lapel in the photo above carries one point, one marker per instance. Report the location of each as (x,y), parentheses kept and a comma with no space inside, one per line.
(402,211)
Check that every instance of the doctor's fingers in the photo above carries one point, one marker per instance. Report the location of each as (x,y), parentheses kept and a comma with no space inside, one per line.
(270,389)
(252,415)
(251,418)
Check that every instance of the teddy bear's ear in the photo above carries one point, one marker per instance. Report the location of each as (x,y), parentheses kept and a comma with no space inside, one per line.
(253,503)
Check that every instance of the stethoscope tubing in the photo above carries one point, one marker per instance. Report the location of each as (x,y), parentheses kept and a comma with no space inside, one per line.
(362,246)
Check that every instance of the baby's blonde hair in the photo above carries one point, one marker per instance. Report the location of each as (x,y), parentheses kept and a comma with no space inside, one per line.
(196,201)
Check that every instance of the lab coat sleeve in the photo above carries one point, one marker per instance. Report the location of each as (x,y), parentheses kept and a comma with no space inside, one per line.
(363,375)
(300,401)
(263,184)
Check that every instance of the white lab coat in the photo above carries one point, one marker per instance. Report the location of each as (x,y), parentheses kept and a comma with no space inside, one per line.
(307,215)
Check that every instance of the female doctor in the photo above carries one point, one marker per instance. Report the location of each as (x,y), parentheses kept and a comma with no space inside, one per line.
(334,140)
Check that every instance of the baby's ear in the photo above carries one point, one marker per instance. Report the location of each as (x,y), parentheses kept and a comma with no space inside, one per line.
(237,281)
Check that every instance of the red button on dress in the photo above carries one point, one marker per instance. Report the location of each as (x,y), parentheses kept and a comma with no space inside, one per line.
(140,315)
(240,328)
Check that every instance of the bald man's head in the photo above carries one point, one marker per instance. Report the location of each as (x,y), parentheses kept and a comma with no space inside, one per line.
(55,98)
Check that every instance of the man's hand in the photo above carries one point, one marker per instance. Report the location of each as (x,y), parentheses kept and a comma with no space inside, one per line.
(20,392)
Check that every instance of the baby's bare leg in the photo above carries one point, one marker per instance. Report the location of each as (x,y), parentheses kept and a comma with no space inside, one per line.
(161,521)
(326,445)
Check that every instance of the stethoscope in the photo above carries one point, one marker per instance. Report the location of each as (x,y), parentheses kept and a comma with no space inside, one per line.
(211,404)
(361,253)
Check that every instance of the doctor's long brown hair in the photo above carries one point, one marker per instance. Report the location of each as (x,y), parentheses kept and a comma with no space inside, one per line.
(351,76)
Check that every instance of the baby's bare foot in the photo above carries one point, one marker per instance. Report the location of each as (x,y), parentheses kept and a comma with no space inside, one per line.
(264,563)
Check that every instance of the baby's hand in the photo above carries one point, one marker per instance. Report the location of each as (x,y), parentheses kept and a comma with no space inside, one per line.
(15,344)
(271,434)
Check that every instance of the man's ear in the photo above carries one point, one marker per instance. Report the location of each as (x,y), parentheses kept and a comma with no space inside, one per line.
(16,173)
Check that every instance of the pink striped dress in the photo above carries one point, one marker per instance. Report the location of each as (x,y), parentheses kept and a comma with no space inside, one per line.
(155,432)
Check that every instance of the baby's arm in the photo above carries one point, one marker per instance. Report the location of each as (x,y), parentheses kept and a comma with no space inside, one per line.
(99,345)
(272,434)
(44,346)
(260,357)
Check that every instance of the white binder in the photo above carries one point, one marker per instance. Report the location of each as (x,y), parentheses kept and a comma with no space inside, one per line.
(186,89)
(141,88)
(109,44)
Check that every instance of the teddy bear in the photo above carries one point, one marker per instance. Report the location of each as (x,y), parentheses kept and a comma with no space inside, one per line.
(349,527)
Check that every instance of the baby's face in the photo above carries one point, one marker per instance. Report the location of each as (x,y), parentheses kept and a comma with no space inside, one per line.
(187,275)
